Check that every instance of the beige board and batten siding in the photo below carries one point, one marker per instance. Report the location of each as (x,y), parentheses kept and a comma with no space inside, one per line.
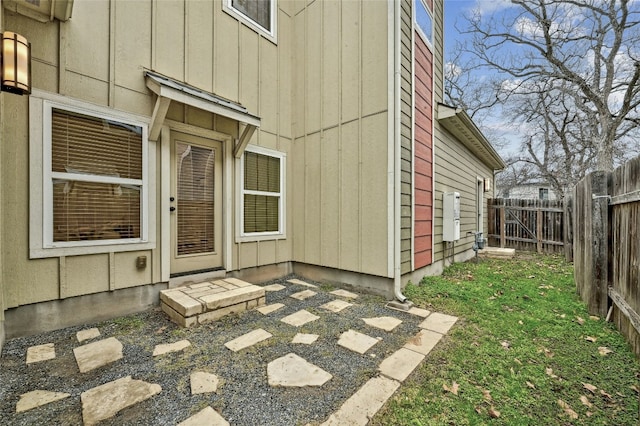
(406,108)
(340,149)
(99,57)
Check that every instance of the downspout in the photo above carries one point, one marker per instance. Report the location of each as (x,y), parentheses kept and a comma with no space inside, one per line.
(397,117)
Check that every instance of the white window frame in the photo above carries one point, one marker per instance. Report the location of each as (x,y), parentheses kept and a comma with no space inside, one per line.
(242,236)
(272,35)
(428,38)
(41,242)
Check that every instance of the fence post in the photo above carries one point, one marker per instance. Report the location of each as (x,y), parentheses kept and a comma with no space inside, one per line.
(539,229)
(600,229)
(567,226)
(503,227)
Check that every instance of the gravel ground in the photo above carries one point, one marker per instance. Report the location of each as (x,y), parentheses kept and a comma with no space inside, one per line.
(244,396)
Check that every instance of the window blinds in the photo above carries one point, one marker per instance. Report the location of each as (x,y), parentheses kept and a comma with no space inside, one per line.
(96,166)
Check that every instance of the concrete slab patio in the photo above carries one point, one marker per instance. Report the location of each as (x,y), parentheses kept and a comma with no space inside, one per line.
(294,360)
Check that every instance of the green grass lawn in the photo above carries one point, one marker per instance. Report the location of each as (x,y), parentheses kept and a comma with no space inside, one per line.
(524,352)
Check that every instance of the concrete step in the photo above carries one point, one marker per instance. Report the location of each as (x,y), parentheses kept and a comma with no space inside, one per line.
(497,252)
(210,300)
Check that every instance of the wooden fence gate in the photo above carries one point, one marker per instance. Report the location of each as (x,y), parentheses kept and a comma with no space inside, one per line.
(527,224)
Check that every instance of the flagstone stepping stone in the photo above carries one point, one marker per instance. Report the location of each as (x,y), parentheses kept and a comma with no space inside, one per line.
(274,287)
(344,293)
(248,339)
(356,341)
(362,405)
(267,309)
(400,364)
(90,333)
(423,342)
(205,417)
(419,312)
(202,382)
(439,322)
(299,318)
(37,398)
(300,282)
(383,323)
(104,401)
(302,295)
(336,305)
(98,354)
(292,370)
(41,353)
(305,339)
(166,348)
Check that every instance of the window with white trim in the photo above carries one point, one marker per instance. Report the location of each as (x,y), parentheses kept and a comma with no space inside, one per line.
(92,166)
(262,193)
(424,21)
(257,14)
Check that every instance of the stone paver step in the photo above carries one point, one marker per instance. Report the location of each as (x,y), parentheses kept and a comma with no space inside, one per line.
(41,353)
(209,301)
(38,398)
(97,354)
(356,341)
(104,401)
(292,370)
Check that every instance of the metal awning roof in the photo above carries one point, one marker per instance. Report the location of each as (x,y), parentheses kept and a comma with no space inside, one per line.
(169,89)
(458,122)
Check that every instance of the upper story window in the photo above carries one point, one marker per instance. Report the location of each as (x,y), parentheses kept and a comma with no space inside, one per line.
(543,193)
(424,20)
(257,14)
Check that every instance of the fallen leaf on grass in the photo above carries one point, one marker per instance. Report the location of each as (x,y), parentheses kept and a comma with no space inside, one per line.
(453,389)
(531,385)
(486,394)
(520,322)
(585,401)
(494,413)
(531,276)
(635,388)
(517,361)
(591,339)
(603,350)
(580,320)
(589,414)
(548,353)
(606,395)
(505,344)
(567,409)
(589,387)
(549,372)
(594,318)
(479,409)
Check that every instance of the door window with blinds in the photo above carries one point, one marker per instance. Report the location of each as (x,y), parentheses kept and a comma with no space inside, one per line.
(97,179)
(196,199)
(262,193)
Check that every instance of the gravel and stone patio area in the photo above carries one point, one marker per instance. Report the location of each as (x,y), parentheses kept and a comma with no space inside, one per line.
(311,354)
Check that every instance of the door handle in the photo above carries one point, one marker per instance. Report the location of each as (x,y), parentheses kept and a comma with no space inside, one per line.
(172,209)
(172,199)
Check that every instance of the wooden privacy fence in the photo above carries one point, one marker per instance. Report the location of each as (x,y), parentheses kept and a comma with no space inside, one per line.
(607,246)
(527,224)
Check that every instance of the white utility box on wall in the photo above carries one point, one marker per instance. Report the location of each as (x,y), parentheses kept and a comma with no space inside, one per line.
(451,216)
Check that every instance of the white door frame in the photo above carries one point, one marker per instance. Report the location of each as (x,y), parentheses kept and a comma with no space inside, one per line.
(165,192)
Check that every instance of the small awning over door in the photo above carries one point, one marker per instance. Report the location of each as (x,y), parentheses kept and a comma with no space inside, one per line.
(169,89)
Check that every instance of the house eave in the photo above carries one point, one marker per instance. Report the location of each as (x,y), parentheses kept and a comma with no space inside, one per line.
(458,122)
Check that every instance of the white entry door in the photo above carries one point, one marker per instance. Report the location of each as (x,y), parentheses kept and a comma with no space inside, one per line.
(196,204)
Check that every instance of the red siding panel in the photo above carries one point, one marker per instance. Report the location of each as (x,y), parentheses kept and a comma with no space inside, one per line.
(423,154)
